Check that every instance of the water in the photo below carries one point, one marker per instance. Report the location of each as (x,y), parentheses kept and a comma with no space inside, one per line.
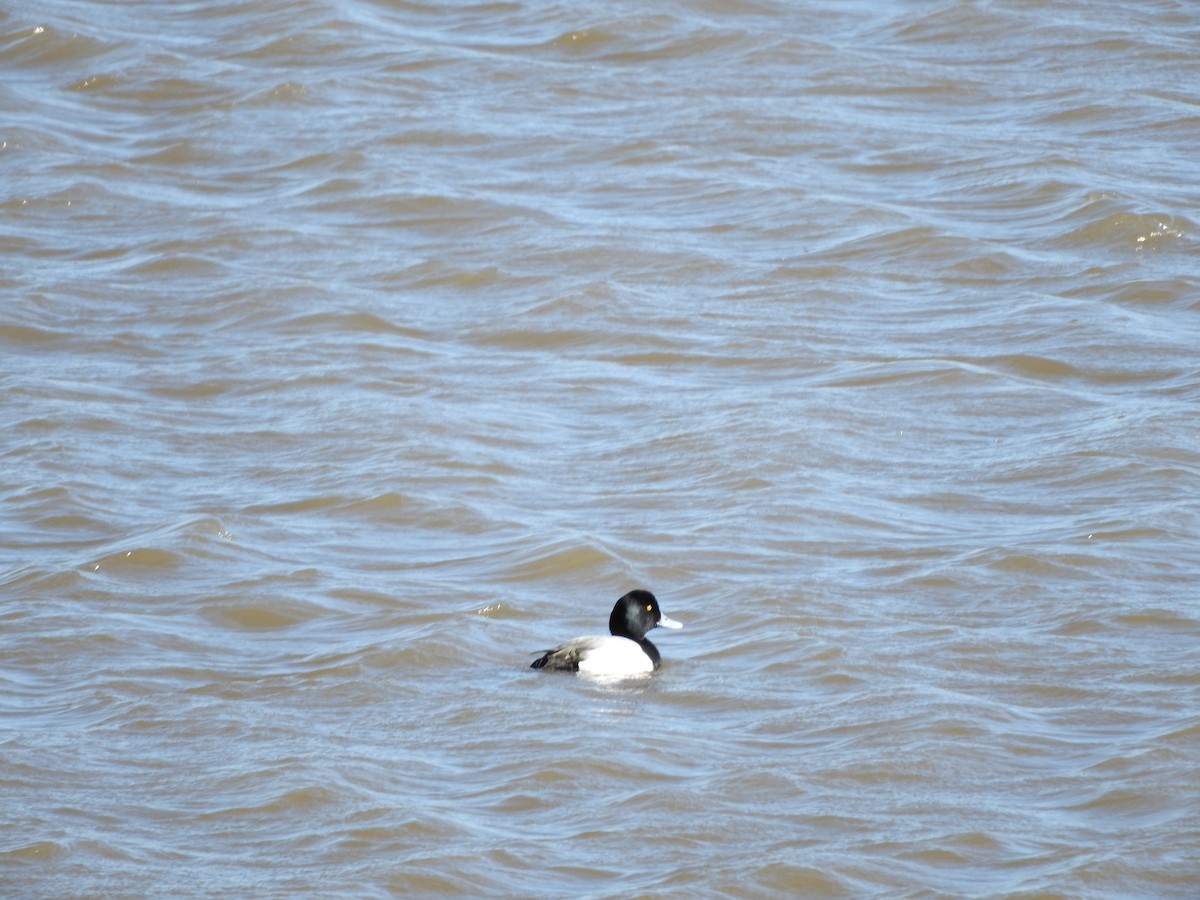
(353,351)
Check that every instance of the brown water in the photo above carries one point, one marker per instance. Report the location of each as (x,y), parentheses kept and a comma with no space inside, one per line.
(352,351)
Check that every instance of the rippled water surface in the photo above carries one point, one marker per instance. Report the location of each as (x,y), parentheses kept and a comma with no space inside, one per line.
(352,351)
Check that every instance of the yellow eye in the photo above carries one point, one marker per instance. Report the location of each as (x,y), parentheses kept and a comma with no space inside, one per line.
(649,607)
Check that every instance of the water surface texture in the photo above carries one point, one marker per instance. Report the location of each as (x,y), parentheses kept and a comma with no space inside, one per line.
(353,350)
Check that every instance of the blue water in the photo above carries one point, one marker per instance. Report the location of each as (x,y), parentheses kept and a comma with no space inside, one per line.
(355,351)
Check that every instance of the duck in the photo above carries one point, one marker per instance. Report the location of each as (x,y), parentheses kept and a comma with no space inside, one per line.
(624,652)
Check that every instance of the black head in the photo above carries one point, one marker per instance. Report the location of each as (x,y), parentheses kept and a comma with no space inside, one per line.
(635,614)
